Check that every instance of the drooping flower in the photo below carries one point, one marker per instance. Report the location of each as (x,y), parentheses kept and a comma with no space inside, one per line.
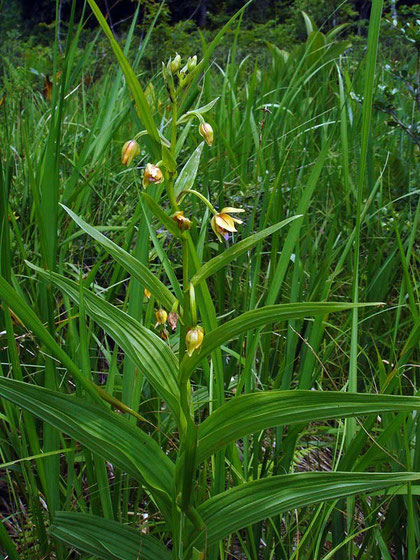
(129,151)
(206,131)
(161,317)
(183,222)
(194,339)
(152,174)
(223,224)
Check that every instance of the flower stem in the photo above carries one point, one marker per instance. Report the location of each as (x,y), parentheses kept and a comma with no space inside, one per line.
(204,199)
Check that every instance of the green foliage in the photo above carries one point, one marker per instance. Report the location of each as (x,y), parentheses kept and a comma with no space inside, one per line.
(291,430)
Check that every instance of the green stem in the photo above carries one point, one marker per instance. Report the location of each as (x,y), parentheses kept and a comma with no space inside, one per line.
(171,193)
(186,301)
(202,198)
(170,185)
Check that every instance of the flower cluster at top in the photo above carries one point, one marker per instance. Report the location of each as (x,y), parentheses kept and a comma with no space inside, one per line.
(177,78)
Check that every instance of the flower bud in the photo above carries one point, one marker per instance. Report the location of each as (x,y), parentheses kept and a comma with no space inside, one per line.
(183,222)
(194,339)
(152,174)
(206,132)
(147,293)
(175,64)
(161,317)
(130,150)
(192,63)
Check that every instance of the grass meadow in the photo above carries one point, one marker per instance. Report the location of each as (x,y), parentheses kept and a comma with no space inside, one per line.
(174,383)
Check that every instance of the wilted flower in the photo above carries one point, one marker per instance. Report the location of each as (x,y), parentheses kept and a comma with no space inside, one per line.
(130,150)
(223,223)
(164,335)
(152,174)
(173,320)
(48,87)
(183,222)
(194,339)
(206,131)
(161,317)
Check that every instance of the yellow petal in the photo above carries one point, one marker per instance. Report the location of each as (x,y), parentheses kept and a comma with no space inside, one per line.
(225,222)
(230,210)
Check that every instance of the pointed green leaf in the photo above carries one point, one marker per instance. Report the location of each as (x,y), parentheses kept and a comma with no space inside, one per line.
(105,538)
(215,264)
(257,318)
(132,81)
(168,159)
(247,414)
(149,352)
(31,320)
(188,173)
(107,434)
(199,110)
(257,500)
(164,219)
(128,262)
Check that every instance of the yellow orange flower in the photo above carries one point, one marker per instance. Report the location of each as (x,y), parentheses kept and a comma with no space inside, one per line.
(206,131)
(183,222)
(223,223)
(129,151)
(194,339)
(152,174)
(161,317)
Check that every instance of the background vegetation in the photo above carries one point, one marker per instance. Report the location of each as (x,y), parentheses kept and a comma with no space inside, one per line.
(313,118)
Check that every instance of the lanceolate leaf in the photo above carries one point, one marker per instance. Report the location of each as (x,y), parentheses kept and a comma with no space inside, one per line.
(107,434)
(162,216)
(106,539)
(247,414)
(257,318)
(188,173)
(128,262)
(132,81)
(199,110)
(150,354)
(254,501)
(215,264)
(31,320)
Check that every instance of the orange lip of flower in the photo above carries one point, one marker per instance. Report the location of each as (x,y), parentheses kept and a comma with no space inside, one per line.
(223,223)
(152,174)
(183,222)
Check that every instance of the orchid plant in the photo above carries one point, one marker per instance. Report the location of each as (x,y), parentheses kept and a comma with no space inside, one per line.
(194,487)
